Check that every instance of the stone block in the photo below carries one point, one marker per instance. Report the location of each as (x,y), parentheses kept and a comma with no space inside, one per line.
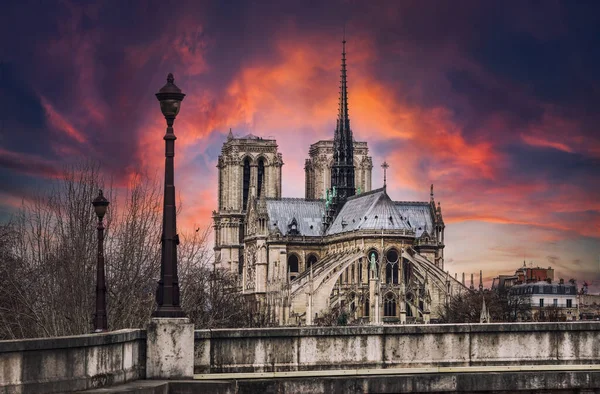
(170,349)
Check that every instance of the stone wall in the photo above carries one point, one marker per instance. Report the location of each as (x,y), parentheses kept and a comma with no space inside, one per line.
(66,364)
(321,348)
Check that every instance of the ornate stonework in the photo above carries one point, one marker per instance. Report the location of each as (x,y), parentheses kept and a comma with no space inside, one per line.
(381,261)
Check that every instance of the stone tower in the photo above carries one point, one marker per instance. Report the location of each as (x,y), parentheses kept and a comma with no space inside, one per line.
(248,166)
(317,168)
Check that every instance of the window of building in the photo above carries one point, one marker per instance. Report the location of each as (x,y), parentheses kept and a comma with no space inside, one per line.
(391,268)
(367,307)
(567,290)
(554,289)
(541,302)
(246,182)
(555,302)
(261,176)
(569,303)
(389,305)
(293,266)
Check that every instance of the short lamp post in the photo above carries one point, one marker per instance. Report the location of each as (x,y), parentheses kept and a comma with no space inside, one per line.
(167,294)
(100,204)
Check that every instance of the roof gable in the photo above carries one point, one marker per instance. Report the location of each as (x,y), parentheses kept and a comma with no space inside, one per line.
(369,211)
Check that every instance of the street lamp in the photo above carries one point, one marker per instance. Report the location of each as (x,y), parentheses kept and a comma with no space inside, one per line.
(100,204)
(167,294)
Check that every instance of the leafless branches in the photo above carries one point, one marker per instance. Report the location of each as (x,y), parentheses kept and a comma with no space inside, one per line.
(48,262)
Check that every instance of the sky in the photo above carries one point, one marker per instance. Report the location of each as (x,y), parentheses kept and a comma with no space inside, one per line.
(495,103)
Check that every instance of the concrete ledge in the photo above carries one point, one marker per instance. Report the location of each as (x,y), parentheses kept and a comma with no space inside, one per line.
(491,382)
(68,364)
(396,371)
(395,330)
(417,346)
(75,341)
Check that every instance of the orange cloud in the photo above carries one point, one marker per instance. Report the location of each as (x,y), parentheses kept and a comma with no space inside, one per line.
(60,123)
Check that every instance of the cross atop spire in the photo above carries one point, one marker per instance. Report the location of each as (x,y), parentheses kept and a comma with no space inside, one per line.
(385,166)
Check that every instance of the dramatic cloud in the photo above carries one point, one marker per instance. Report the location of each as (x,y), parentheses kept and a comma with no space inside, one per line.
(493,104)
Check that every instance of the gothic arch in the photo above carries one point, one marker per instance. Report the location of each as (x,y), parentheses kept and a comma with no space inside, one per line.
(311,259)
(246,180)
(264,157)
(293,264)
(389,305)
(261,175)
(392,265)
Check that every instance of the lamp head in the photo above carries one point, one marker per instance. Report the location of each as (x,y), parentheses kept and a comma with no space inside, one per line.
(100,204)
(170,98)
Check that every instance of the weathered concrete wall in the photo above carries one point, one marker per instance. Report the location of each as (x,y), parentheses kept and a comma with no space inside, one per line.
(318,348)
(66,364)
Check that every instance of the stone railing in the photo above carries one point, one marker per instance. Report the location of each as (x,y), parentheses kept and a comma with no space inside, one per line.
(66,364)
(368,347)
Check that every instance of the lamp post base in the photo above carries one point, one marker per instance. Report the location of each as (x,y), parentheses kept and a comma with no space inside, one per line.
(168,312)
(170,348)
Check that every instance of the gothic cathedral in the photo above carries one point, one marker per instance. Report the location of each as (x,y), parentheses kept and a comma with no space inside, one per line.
(343,246)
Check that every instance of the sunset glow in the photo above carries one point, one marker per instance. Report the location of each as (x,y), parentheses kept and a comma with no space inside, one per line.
(504,123)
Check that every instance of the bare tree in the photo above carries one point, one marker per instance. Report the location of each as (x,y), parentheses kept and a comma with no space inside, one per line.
(48,262)
(466,307)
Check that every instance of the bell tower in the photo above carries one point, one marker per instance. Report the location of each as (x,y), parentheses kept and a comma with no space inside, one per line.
(249,167)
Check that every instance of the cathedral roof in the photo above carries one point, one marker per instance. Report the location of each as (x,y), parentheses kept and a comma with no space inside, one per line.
(417,214)
(373,210)
(308,215)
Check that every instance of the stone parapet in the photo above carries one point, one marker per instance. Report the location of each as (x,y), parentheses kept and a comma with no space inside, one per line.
(431,345)
(67,364)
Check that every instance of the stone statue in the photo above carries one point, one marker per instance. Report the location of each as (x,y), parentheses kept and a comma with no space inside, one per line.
(373,268)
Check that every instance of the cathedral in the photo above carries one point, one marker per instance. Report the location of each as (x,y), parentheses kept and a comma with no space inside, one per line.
(344,246)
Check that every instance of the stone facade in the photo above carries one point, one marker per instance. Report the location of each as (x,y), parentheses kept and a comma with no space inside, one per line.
(317,168)
(344,246)
(249,166)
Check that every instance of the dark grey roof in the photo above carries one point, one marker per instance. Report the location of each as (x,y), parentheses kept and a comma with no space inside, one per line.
(308,214)
(373,210)
(417,215)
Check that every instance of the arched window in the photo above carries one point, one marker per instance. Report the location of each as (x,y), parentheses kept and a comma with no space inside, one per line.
(246,181)
(391,267)
(261,176)
(293,266)
(389,305)
(367,307)
(312,259)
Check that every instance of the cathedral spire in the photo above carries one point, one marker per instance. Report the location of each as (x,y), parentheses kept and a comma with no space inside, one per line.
(342,171)
(343,118)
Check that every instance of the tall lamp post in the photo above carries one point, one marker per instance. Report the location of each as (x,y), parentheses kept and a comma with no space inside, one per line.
(167,294)
(100,204)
